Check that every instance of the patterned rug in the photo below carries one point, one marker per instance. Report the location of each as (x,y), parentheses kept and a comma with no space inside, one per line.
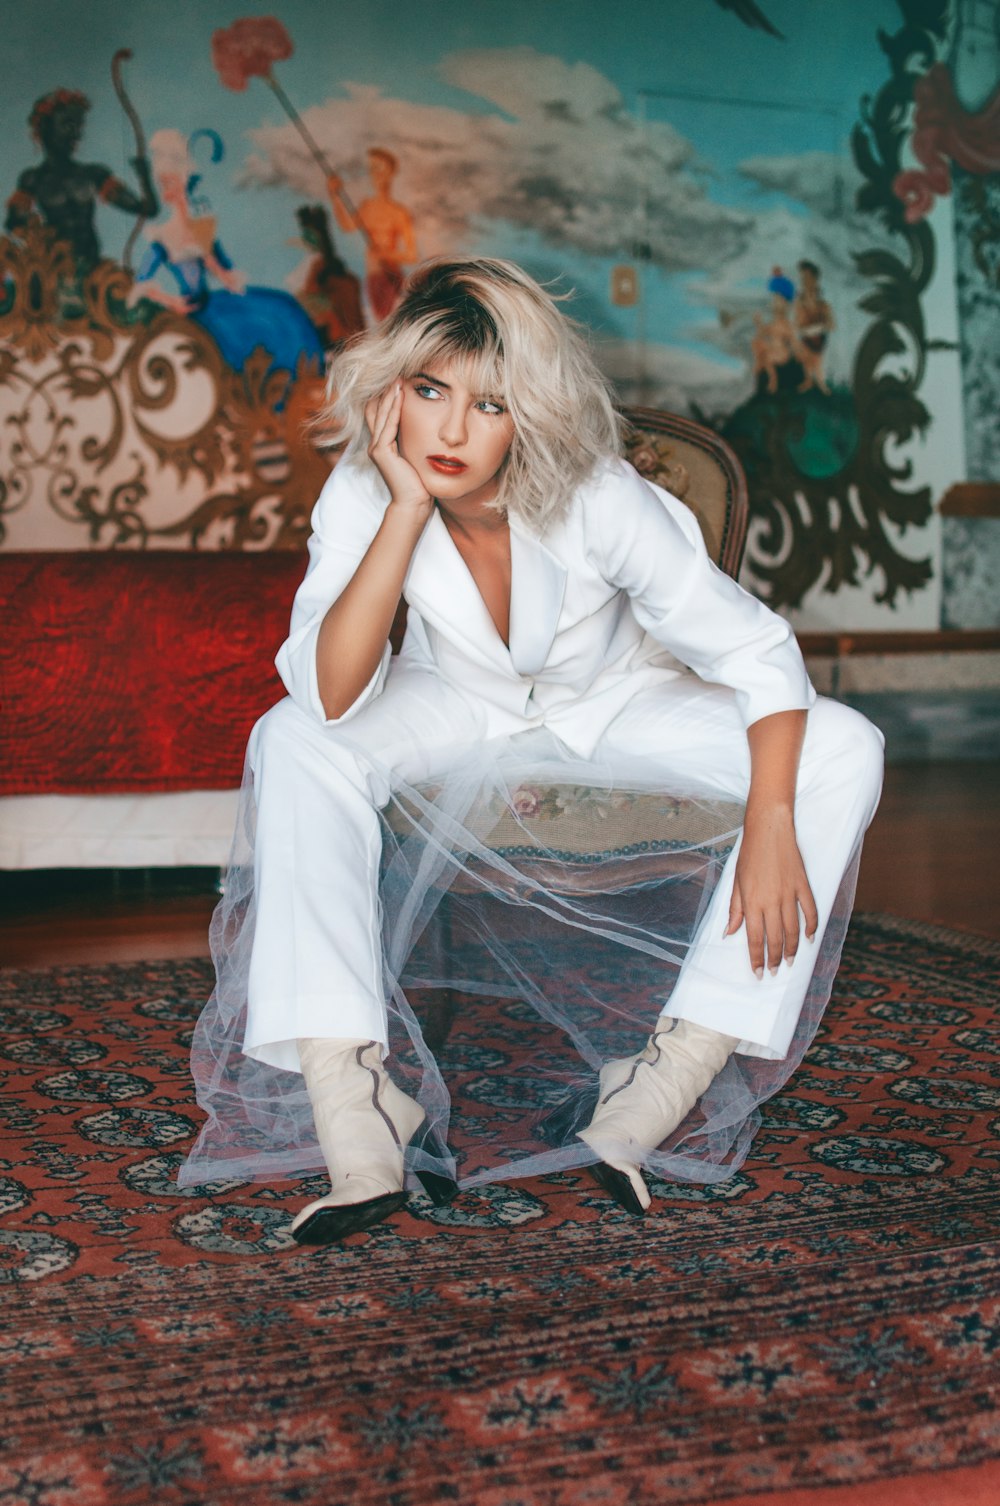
(826,1318)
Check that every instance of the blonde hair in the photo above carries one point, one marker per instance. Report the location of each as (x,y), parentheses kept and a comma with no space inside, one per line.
(170,153)
(518,349)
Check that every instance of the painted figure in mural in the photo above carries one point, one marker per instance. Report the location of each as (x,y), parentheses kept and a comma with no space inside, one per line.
(64,192)
(325,286)
(186,244)
(553,596)
(774,344)
(814,323)
(390,237)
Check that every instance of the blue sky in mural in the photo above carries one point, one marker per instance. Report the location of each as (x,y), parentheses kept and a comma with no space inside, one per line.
(741,132)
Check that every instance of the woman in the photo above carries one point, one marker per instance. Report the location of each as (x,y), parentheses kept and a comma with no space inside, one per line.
(554,599)
(186,244)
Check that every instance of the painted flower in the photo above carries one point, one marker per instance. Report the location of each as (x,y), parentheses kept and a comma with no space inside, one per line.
(248,49)
(645,459)
(527,802)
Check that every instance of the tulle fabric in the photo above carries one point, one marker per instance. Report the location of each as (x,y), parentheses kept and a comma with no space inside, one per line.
(535,911)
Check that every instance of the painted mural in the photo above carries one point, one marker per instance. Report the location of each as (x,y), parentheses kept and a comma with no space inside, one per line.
(753,207)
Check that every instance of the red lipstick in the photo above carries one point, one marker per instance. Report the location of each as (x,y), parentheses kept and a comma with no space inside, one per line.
(447,465)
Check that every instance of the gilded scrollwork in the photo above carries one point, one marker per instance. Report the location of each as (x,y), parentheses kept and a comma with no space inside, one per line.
(830,500)
(127,425)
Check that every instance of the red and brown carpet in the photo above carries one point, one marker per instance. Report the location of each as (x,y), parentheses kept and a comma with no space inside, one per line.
(821,1329)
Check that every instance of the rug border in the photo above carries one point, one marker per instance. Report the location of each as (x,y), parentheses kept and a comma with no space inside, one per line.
(966,1485)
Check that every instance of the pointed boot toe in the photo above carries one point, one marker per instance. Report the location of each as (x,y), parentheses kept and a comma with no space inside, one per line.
(325,1223)
(619,1185)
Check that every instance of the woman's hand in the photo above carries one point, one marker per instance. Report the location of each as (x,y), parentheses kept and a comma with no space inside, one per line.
(232,281)
(770,890)
(354,632)
(174,302)
(406,490)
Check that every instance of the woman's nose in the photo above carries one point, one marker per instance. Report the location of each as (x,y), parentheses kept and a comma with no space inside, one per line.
(454,426)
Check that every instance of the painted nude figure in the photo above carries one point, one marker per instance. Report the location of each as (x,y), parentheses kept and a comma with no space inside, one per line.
(388,230)
(813,322)
(774,343)
(64,192)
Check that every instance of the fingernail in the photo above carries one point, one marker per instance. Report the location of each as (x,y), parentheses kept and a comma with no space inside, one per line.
(774,970)
(758,973)
(789,960)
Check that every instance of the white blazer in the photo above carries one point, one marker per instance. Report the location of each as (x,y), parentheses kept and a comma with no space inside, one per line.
(618,595)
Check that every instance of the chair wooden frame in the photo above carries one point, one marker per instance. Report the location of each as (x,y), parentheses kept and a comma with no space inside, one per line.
(729,555)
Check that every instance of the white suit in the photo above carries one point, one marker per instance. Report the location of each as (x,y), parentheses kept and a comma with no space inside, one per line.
(606,610)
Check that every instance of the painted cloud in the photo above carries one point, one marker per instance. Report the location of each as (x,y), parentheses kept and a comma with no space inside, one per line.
(564,159)
(560,157)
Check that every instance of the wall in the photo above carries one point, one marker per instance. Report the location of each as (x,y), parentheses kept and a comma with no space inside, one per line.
(672,164)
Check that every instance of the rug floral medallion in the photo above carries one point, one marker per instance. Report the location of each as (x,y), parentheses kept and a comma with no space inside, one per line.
(828,1315)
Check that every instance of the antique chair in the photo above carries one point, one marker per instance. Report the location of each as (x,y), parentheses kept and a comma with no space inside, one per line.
(630,837)
(696,465)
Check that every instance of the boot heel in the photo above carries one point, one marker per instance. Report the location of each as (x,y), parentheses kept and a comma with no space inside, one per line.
(560,1125)
(440,1189)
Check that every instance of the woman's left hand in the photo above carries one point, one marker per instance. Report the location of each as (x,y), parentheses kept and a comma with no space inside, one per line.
(770,891)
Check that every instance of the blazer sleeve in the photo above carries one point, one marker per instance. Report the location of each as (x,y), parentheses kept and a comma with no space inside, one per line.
(647,543)
(344,521)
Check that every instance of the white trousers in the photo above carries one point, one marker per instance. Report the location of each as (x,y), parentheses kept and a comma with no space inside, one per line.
(316,967)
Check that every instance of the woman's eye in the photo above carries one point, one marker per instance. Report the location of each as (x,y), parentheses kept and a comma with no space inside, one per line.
(489,406)
(423,389)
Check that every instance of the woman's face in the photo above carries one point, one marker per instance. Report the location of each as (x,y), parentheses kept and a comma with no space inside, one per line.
(172,188)
(60,133)
(455,438)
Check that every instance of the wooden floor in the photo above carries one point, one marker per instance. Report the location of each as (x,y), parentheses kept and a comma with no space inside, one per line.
(931,855)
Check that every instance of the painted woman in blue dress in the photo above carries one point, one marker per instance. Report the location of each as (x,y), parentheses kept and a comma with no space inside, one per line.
(186,244)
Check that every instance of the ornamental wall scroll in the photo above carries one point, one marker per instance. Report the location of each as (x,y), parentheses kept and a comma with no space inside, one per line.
(124,427)
(830,495)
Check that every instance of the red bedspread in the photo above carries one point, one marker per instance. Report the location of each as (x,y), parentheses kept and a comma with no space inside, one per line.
(136,672)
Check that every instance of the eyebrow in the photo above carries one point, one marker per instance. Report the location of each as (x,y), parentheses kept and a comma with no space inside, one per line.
(425,376)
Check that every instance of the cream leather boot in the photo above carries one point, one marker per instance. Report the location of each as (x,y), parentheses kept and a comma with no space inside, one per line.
(643,1098)
(364,1125)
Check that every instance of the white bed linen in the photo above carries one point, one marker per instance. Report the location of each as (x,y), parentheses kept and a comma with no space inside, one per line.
(186,828)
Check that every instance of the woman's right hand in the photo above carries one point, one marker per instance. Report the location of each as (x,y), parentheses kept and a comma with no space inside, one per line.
(406,490)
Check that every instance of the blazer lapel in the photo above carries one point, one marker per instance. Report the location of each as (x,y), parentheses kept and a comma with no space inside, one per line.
(440,587)
(538,583)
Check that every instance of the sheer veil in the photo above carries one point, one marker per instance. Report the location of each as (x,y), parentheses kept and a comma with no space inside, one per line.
(535,910)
